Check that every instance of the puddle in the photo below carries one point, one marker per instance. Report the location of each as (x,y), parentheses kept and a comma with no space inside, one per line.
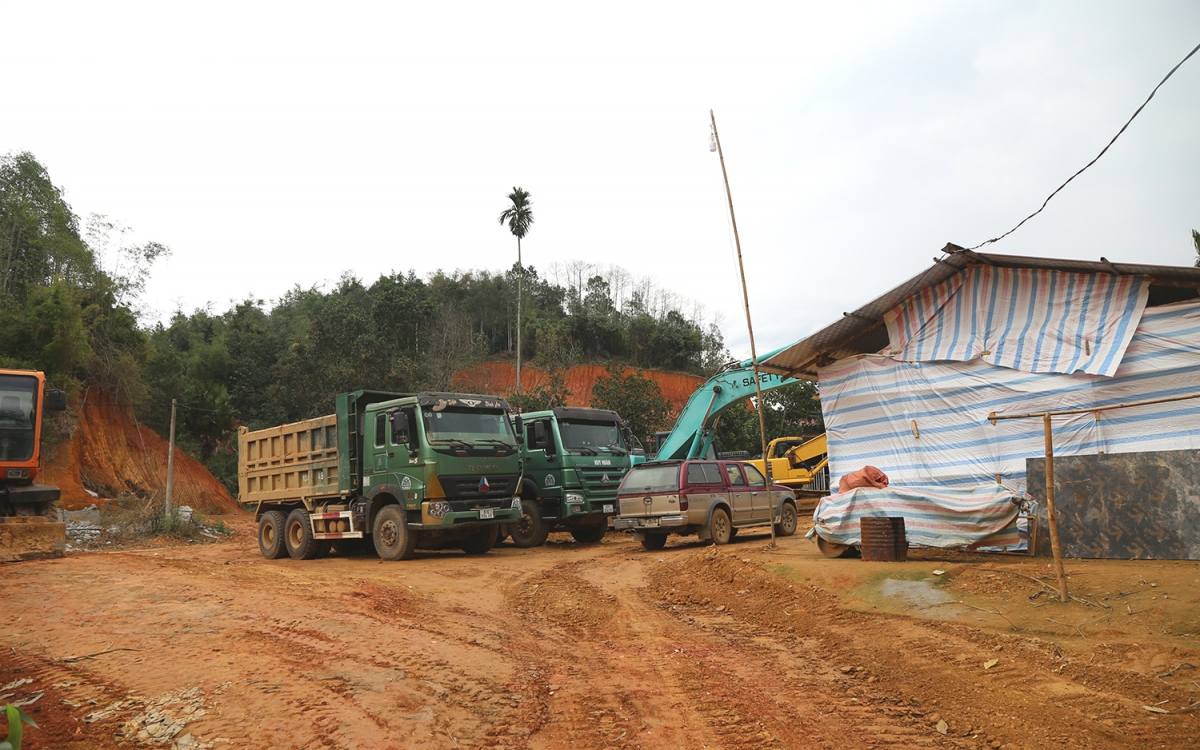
(913,593)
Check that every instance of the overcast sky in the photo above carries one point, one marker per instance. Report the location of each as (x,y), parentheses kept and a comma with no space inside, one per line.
(276,144)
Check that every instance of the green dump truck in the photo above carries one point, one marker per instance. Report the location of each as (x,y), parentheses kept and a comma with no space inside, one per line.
(426,470)
(574,460)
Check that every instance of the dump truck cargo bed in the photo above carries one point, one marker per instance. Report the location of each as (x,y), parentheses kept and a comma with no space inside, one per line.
(290,462)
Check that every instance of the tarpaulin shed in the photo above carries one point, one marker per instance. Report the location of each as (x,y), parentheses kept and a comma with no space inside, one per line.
(865,330)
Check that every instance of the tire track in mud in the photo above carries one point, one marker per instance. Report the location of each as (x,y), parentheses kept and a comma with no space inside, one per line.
(925,671)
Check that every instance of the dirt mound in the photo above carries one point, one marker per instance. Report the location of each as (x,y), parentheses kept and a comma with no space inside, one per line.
(501,378)
(110,453)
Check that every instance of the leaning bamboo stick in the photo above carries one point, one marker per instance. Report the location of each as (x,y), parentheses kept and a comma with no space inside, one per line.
(1055,545)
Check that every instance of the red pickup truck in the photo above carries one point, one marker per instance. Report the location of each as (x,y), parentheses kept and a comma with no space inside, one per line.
(712,499)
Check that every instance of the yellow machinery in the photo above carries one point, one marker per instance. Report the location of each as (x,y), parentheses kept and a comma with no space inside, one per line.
(799,464)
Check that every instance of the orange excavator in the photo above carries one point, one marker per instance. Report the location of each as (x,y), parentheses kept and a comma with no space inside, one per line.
(29,525)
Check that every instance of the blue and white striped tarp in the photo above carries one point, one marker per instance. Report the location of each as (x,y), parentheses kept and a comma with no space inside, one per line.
(1036,320)
(933,516)
(926,423)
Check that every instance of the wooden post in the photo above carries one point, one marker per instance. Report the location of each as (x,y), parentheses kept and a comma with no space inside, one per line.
(1052,517)
(170,460)
(762,420)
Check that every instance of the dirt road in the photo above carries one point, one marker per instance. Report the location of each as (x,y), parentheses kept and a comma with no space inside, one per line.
(565,646)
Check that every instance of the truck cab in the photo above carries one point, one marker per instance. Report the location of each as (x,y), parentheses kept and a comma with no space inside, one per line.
(574,460)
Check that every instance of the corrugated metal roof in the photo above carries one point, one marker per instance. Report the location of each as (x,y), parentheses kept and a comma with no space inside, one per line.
(863,331)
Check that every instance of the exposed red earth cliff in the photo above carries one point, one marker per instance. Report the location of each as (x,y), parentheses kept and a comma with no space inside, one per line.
(110,453)
(501,378)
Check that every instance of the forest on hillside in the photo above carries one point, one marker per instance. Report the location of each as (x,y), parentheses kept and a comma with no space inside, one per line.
(71,291)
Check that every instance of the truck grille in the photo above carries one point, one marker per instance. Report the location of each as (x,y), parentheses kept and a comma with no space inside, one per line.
(467,487)
(593,481)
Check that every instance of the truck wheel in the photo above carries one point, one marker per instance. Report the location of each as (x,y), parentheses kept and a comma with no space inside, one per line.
(530,530)
(787,521)
(393,539)
(299,536)
(480,541)
(719,527)
(270,534)
(589,534)
(654,541)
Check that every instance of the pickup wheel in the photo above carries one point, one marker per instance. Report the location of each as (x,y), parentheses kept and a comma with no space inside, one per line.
(719,527)
(787,521)
(654,541)
(591,533)
(270,534)
(299,536)
(393,539)
(529,530)
(480,541)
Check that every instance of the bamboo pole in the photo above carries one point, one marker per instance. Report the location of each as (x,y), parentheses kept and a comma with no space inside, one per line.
(762,421)
(170,462)
(994,416)
(1055,545)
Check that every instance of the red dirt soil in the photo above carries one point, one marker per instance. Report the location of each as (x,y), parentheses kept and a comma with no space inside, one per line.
(110,453)
(501,378)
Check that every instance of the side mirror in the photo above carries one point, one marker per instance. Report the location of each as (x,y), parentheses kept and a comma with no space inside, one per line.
(55,400)
(519,427)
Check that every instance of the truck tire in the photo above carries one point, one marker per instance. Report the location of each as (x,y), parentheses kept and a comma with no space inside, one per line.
(719,527)
(654,541)
(299,536)
(480,541)
(787,521)
(589,534)
(393,539)
(529,530)
(270,534)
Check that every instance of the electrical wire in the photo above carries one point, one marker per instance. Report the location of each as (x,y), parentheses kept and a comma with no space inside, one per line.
(178,406)
(1093,161)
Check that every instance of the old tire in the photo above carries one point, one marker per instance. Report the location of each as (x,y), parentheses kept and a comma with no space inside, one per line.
(480,541)
(530,530)
(719,527)
(589,534)
(654,542)
(831,549)
(393,539)
(270,534)
(787,521)
(298,537)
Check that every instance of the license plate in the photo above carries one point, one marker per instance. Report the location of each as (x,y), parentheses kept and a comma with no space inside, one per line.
(651,522)
(608,508)
(487,513)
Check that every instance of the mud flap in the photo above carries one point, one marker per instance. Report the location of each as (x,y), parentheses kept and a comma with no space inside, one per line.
(31,538)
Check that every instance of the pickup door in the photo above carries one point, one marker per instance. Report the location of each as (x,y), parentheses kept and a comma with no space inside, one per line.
(739,495)
(758,493)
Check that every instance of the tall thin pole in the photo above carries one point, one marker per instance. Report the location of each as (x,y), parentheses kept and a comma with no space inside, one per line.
(762,420)
(170,460)
(1052,516)
(520,273)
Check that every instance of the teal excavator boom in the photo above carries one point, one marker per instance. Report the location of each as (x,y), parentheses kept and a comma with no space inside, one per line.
(693,432)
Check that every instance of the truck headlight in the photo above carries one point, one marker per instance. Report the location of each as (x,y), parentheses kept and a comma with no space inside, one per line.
(574,498)
(18,473)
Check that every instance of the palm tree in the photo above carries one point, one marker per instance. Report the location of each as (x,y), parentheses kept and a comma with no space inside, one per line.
(519,217)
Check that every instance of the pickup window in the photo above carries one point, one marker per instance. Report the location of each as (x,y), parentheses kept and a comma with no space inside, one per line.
(755,476)
(735,475)
(704,474)
(652,478)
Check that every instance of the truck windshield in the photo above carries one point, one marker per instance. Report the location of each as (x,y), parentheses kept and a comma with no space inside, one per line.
(651,478)
(467,425)
(578,436)
(18,394)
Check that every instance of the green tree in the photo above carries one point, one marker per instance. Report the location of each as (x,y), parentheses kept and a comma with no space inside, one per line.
(519,217)
(793,410)
(637,398)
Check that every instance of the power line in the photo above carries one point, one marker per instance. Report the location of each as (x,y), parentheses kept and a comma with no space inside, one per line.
(1093,161)
(180,406)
